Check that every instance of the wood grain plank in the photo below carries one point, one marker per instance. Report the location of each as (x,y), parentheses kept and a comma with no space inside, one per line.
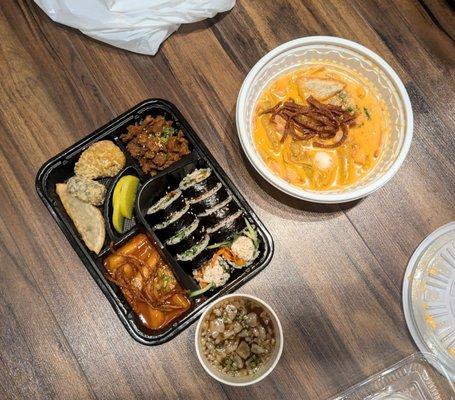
(63,299)
(37,360)
(335,278)
(420,198)
(174,65)
(28,79)
(442,14)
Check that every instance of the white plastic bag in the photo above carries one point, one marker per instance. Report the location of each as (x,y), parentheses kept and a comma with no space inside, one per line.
(135,25)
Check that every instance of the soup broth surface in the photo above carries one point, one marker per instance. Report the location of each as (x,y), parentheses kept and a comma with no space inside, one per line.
(302,162)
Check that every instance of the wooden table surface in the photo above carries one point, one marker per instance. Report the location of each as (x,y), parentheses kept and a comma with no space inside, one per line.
(335,279)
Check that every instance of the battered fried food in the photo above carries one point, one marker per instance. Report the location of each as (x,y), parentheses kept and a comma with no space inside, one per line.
(102,159)
(87,219)
(87,190)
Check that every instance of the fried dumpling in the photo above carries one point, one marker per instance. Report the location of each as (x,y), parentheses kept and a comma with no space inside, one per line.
(87,219)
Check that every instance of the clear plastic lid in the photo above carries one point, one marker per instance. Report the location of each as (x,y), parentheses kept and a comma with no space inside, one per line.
(413,378)
(429,297)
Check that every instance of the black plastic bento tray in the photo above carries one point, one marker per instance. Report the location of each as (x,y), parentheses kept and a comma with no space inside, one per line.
(60,168)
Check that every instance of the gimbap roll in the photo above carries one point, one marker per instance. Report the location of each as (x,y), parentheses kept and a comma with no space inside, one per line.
(227,228)
(215,215)
(215,207)
(209,199)
(183,233)
(199,260)
(198,182)
(164,207)
(244,248)
(215,272)
(205,195)
(195,250)
(237,253)
(176,221)
(189,241)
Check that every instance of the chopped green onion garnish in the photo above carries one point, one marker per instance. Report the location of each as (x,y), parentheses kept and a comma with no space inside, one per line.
(198,292)
(251,233)
(166,133)
(216,245)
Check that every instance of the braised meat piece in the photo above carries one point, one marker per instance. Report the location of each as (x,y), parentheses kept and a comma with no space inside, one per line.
(155,143)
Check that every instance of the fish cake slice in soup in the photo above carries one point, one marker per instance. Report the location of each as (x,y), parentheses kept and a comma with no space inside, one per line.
(320,88)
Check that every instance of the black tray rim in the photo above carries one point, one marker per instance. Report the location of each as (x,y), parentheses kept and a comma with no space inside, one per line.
(83,253)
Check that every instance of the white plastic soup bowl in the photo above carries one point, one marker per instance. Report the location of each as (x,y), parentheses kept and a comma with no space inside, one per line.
(309,51)
(265,369)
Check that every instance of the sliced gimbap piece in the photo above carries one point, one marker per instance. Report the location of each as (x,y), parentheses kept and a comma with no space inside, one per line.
(188,241)
(221,211)
(206,195)
(227,228)
(194,251)
(183,233)
(209,199)
(175,223)
(199,260)
(164,207)
(198,182)
(215,207)
(215,272)
(244,248)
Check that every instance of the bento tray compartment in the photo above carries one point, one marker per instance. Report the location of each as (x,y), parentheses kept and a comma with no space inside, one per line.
(157,186)
(60,168)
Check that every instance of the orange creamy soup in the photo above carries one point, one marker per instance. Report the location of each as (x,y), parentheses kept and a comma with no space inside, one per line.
(320,128)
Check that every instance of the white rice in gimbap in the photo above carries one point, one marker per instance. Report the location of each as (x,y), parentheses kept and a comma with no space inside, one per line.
(165,201)
(206,195)
(174,217)
(197,176)
(215,208)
